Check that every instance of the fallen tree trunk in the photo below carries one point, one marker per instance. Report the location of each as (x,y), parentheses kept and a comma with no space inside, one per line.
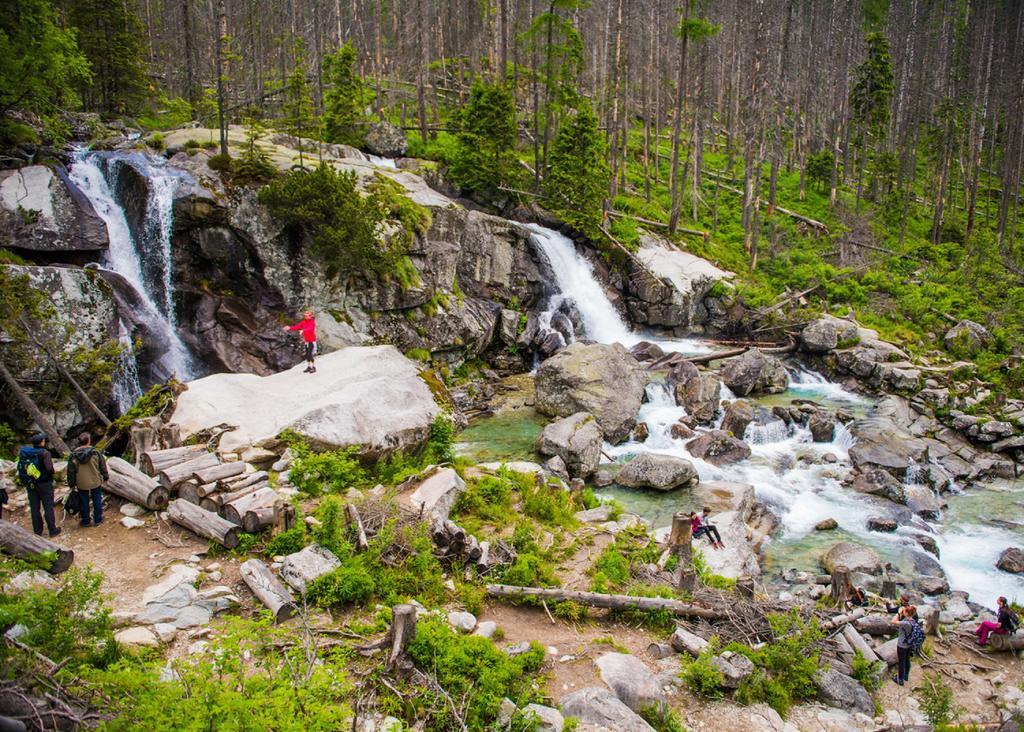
(268,589)
(132,484)
(156,460)
(875,625)
(176,474)
(203,523)
(218,472)
(1000,642)
(355,520)
(857,642)
(611,602)
(23,544)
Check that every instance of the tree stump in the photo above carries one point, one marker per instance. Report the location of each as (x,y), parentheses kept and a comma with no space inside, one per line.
(402,631)
(268,589)
(680,542)
(842,588)
(143,437)
(23,544)
(170,436)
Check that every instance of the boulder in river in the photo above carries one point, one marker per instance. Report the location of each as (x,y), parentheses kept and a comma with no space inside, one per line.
(738,415)
(829,524)
(700,396)
(879,523)
(660,472)
(854,557)
(738,557)
(822,426)
(755,373)
(827,333)
(881,443)
(720,495)
(372,397)
(878,482)
(1011,560)
(577,440)
(603,380)
(718,448)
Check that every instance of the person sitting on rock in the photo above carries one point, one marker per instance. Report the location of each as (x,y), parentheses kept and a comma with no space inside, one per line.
(1006,623)
(308,328)
(700,527)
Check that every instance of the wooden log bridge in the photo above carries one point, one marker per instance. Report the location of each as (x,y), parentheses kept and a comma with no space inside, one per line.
(23,544)
(610,602)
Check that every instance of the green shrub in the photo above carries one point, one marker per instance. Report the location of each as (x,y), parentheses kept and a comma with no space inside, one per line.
(9,441)
(350,583)
(574,612)
(530,570)
(936,699)
(588,499)
(221,162)
(287,542)
(662,718)
(869,674)
(472,598)
(440,444)
(610,571)
(330,533)
(474,671)
(760,688)
(334,471)
(700,675)
(419,354)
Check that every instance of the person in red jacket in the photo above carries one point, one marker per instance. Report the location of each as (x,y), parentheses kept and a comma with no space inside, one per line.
(308,328)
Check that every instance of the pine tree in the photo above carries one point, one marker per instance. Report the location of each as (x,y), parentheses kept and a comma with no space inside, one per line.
(870,96)
(40,63)
(577,179)
(254,164)
(299,119)
(485,159)
(110,35)
(344,121)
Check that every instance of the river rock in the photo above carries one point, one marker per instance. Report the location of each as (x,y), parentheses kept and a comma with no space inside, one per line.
(41,209)
(597,515)
(696,392)
(736,417)
(718,448)
(878,523)
(680,431)
(966,338)
(301,568)
(603,710)
(754,373)
(854,557)
(932,585)
(840,691)
(923,502)
(386,140)
(645,351)
(137,637)
(927,543)
(632,682)
(1011,560)
(882,444)
(827,333)
(372,397)
(720,496)
(822,426)
(829,524)
(879,482)
(660,472)
(602,380)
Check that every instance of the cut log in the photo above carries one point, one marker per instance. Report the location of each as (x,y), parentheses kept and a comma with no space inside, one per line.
(857,642)
(842,645)
(838,621)
(189,491)
(206,489)
(132,484)
(23,544)
(225,498)
(999,642)
(875,625)
(268,589)
(683,641)
(216,472)
(842,588)
(237,482)
(356,522)
(473,550)
(178,473)
(234,510)
(156,460)
(203,523)
(256,519)
(611,602)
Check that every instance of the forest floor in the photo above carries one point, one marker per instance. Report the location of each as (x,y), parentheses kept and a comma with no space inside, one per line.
(133,559)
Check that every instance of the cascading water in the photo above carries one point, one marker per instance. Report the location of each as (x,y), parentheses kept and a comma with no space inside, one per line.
(574,277)
(799,478)
(126,386)
(145,263)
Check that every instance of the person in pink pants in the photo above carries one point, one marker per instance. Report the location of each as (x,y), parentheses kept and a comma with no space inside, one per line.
(1006,623)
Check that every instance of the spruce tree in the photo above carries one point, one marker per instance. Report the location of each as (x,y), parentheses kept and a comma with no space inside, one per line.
(344,121)
(485,159)
(870,97)
(110,35)
(299,119)
(577,178)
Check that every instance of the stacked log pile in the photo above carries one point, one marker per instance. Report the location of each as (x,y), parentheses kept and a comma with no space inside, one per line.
(454,544)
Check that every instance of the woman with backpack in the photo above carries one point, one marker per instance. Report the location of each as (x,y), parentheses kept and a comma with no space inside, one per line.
(908,641)
(1006,623)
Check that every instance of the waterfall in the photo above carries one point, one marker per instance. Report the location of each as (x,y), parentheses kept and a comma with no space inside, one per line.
(575,281)
(762,434)
(126,386)
(146,263)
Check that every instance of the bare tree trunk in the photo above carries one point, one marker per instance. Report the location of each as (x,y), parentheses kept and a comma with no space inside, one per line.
(677,126)
(26,403)
(222,34)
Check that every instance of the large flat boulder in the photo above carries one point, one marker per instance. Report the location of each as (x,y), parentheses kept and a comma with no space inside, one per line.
(882,443)
(633,683)
(841,691)
(367,396)
(302,567)
(41,209)
(737,558)
(854,557)
(603,380)
(827,333)
(602,709)
(577,440)
(720,495)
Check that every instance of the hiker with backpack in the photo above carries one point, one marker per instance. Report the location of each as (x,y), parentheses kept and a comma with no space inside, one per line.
(1006,623)
(87,472)
(35,471)
(909,641)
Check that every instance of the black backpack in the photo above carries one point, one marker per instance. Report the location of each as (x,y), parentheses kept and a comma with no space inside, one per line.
(916,641)
(1012,621)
